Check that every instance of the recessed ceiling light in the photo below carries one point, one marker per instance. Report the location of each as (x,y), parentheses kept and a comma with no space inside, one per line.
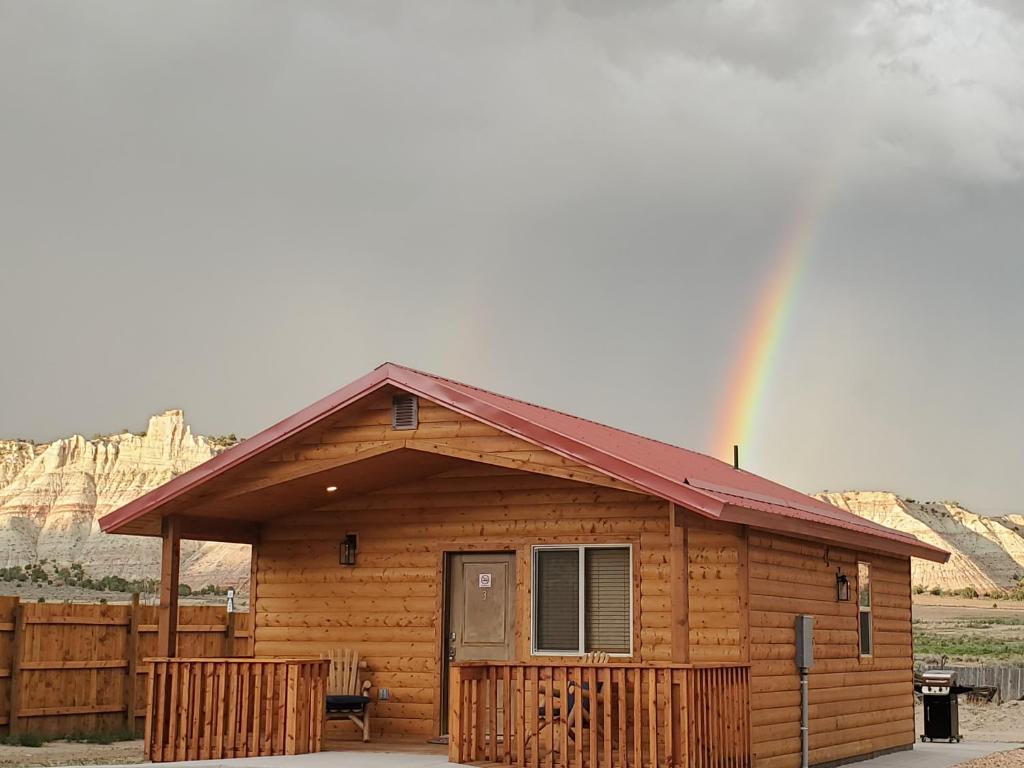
(332,488)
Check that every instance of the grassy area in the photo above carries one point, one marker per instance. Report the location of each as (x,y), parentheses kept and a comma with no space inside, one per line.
(990,621)
(967,646)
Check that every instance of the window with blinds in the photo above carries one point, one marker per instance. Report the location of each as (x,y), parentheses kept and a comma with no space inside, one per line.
(582,599)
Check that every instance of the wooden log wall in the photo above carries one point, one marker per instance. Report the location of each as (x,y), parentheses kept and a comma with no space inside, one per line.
(743,588)
(717,600)
(857,705)
(389,605)
(67,668)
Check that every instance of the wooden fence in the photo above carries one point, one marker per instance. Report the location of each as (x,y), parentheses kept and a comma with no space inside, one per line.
(600,715)
(210,709)
(67,668)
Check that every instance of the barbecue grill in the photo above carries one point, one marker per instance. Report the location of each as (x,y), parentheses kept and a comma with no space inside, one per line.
(939,691)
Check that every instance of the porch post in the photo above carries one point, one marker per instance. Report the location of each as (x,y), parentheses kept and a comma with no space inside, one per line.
(170,561)
(254,568)
(679,566)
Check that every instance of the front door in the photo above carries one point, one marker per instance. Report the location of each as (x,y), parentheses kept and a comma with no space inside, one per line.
(481,611)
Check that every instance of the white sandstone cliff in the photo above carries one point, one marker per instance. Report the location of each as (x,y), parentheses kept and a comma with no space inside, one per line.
(987,552)
(52,496)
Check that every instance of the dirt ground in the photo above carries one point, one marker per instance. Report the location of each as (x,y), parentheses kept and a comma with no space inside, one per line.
(990,722)
(932,608)
(68,753)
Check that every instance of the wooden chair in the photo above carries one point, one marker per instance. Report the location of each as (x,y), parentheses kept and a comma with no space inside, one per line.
(577,694)
(347,692)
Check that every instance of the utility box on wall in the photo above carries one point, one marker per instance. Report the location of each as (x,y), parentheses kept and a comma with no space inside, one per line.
(804,641)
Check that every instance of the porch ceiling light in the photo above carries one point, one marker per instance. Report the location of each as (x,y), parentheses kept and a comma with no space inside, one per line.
(332,488)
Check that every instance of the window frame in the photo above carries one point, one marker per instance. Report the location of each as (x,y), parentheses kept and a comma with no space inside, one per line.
(581,565)
(869,610)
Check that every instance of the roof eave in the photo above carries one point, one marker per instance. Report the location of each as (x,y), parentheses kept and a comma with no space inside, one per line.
(244,451)
(902,546)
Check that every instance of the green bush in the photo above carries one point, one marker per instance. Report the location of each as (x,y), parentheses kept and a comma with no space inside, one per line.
(967,646)
(102,737)
(22,740)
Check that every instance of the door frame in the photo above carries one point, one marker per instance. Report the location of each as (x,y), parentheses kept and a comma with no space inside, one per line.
(446,598)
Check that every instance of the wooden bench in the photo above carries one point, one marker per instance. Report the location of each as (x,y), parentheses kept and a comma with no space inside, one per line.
(348,693)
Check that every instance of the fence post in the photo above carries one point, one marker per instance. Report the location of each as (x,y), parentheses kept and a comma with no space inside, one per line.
(131,684)
(17,651)
(455,716)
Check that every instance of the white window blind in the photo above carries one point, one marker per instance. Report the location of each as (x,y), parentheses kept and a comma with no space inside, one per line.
(607,600)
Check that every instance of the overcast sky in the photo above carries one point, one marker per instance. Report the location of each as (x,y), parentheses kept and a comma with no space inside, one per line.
(238,207)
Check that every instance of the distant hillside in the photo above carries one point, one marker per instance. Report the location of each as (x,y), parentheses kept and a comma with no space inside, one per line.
(52,495)
(987,552)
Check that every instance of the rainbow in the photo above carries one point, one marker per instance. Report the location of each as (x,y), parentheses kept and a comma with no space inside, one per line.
(744,397)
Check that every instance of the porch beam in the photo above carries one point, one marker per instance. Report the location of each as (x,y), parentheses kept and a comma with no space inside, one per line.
(300,469)
(591,477)
(170,565)
(218,529)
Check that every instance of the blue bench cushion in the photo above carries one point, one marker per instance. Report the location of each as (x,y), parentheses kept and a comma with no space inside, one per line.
(346,703)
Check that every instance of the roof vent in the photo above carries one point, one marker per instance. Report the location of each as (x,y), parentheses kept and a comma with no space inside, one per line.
(404,412)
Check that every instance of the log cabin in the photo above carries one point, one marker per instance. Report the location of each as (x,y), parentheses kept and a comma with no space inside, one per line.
(543,589)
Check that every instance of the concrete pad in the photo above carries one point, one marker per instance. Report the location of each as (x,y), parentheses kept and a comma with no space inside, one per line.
(936,755)
(341,759)
(931,755)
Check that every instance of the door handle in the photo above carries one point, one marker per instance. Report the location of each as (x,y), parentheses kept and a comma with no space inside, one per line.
(451,653)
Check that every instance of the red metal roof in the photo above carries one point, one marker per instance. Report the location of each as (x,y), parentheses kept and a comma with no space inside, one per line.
(690,479)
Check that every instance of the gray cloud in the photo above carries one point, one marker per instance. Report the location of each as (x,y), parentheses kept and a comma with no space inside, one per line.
(236,207)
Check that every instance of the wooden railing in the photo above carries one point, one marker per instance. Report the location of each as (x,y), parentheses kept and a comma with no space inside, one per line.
(209,709)
(600,715)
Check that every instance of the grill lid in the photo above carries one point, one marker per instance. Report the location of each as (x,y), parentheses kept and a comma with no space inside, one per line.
(939,677)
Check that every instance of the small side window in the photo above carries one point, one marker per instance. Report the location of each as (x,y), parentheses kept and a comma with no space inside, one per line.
(864,607)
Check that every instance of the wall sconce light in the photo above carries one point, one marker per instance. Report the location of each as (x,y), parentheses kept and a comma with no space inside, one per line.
(842,586)
(348,549)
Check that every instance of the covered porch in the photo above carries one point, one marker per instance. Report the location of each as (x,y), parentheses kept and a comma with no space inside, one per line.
(532,714)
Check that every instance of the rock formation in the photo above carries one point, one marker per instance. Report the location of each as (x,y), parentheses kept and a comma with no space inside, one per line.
(987,552)
(52,496)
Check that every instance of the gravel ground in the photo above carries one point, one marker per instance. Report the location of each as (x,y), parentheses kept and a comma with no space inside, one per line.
(1012,759)
(71,753)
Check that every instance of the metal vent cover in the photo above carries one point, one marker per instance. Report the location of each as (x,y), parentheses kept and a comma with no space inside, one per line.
(404,412)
